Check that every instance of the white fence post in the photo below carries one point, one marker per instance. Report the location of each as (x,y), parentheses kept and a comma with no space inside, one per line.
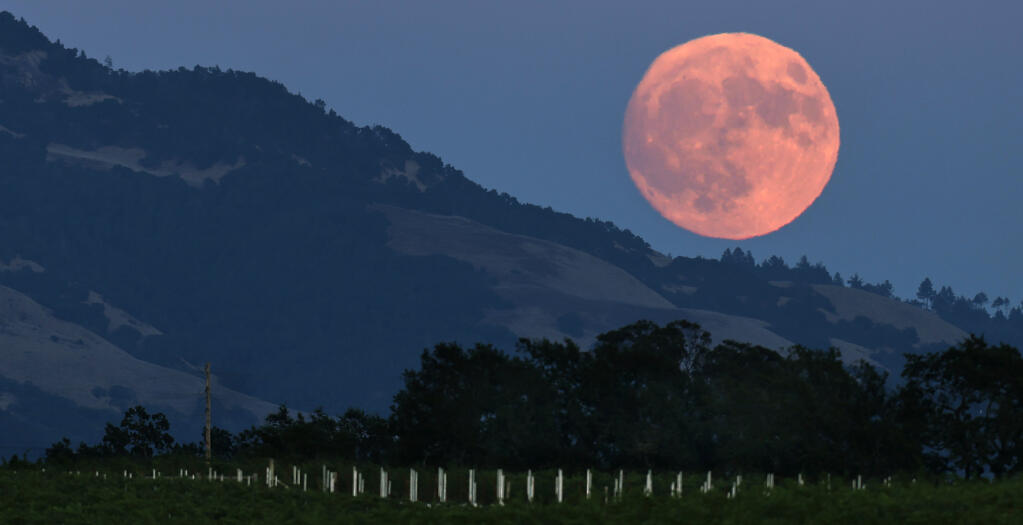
(500,487)
(589,483)
(648,489)
(530,486)
(559,486)
(472,487)
(383,483)
(442,485)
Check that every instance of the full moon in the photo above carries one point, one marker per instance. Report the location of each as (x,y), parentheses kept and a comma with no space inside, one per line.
(730,135)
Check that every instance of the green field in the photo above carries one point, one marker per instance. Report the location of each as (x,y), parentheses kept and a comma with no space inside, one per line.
(33,496)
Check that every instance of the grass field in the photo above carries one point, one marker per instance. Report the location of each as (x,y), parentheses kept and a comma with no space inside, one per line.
(52,497)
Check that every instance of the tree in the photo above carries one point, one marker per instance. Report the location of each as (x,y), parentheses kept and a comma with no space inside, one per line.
(60,452)
(139,434)
(925,292)
(738,258)
(855,281)
(980,299)
(640,385)
(972,395)
(1000,304)
(222,442)
(944,299)
(452,409)
(774,262)
(884,289)
(115,441)
(365,437)
(355,435)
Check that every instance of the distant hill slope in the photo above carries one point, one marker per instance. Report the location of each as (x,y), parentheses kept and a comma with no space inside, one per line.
(63,360)
(204,215)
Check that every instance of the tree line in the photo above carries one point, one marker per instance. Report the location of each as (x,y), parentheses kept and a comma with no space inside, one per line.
(651,396)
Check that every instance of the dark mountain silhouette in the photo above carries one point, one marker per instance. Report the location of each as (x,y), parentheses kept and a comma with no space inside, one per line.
(194,215)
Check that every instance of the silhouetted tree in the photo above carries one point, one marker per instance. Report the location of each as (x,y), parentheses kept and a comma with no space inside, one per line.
(60,452)
(972,395)
(139,434)
(925,292)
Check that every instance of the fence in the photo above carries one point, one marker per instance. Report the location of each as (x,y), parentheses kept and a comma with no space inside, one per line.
(498,487)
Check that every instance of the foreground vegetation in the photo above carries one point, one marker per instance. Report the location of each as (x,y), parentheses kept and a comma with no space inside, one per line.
(35,496)
(646,398)
(649,397)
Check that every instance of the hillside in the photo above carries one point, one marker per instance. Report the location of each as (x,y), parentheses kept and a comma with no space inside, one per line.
(193,215)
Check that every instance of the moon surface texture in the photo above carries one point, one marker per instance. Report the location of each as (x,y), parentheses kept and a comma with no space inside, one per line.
(730,135)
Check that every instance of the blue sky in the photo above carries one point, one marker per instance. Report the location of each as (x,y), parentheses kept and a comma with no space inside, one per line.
(528,97)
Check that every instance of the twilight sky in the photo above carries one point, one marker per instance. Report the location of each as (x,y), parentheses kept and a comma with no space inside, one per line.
(528,97)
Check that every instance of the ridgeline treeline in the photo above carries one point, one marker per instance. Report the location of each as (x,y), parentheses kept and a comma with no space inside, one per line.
(996,317)
(650,396)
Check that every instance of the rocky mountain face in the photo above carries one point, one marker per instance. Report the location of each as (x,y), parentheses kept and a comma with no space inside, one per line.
(154,221)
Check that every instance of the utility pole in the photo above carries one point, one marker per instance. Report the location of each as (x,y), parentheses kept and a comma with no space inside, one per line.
(209,425)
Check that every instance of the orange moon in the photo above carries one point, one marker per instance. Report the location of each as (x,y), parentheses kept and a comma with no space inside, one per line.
(730,135)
